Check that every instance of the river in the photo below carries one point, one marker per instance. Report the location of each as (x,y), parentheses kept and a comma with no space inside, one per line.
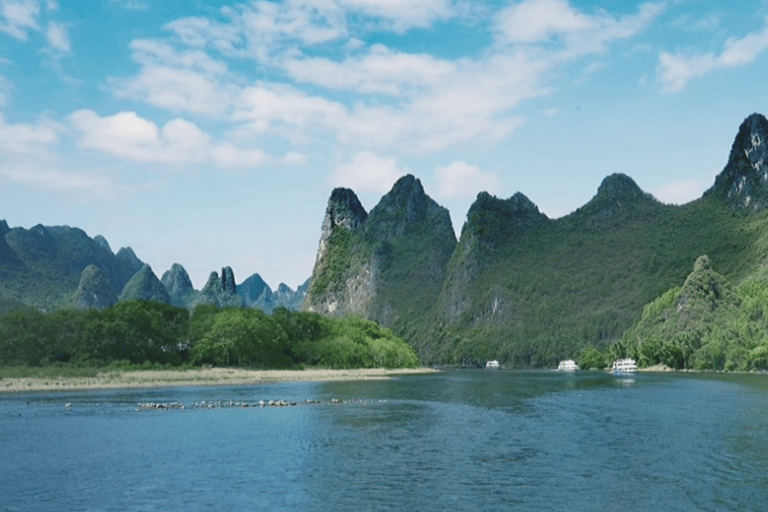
(457,440)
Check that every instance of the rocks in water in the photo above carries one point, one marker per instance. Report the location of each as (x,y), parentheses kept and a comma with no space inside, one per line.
(224,404)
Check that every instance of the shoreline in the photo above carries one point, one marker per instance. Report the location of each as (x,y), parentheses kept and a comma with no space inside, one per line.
(148,379)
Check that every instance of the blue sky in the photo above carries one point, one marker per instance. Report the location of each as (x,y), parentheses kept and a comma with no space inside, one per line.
(212,133)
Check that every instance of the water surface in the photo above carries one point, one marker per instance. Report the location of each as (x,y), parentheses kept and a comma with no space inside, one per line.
(458,440)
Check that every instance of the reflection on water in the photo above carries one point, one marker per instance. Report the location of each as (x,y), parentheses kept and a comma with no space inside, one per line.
(459,440)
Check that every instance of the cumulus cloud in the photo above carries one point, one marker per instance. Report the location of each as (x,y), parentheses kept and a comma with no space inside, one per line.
(394,100)
(367,172)
(23,139)
(676,70)
(381,70)
(533,21)
(180,81)
(129,136)
(460,180)
(283,108)
(58,39)
(537,22)
(17,17)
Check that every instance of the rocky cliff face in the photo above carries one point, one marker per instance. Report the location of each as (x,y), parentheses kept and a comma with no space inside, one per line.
(345,212)
(388,265)
(145,285)
(743,183)
(179,286)
(94,291)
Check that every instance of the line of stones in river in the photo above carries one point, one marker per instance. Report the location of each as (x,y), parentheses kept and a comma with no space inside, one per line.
(230,404)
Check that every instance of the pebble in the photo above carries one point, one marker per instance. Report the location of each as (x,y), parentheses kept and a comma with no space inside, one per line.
(230,404)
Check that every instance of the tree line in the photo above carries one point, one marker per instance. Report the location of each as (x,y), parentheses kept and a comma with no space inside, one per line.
(140,332)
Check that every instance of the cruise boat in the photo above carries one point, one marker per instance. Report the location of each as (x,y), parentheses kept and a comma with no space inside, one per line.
(569,365)
(624,367)
(492,364)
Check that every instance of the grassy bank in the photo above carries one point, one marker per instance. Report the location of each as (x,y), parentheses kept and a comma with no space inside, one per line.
(22,379)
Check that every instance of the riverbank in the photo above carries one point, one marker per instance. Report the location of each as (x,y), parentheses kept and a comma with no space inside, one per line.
(193,377)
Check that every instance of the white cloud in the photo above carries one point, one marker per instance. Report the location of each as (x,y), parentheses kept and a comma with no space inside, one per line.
(539,22)
(680,192)
(25,139)
(534,21)
(180,81)
(128,136)
(294,158)
(675,70)
(367,172)
(397,100)
(460,180)
(379,71)
(18,16)
(229,156)
(177,90)
(58,39)
(285,109)
(55,180)
(401,15)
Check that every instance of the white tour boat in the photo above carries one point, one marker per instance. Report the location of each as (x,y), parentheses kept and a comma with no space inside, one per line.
(569,365)
(624,367)
(492,364)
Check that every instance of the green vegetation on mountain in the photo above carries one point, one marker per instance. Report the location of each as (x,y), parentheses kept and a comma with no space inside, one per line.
(612,278)
(43,266)
(706,324)
(140,332)
(528,290)
(531,296)
(388,265)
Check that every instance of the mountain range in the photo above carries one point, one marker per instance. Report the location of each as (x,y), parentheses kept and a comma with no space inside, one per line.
(516,285)
(526,289)
(56,267)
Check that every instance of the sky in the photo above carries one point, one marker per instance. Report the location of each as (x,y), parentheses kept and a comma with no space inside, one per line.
(212,133)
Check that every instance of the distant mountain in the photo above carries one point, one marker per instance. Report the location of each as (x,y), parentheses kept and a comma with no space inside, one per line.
(94,291)
(253,290)
(43,266)
(220,291)
(144,285)
(258,295)
(179,286)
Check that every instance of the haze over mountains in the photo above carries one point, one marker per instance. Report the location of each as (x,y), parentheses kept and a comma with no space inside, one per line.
(54,267)
(516,286)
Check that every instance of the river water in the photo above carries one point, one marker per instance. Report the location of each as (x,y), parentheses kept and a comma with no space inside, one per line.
(457,440)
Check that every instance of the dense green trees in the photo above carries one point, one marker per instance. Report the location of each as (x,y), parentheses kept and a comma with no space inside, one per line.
(149,332)
(707,324)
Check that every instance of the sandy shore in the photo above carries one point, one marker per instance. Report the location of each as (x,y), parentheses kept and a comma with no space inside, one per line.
(196,377)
